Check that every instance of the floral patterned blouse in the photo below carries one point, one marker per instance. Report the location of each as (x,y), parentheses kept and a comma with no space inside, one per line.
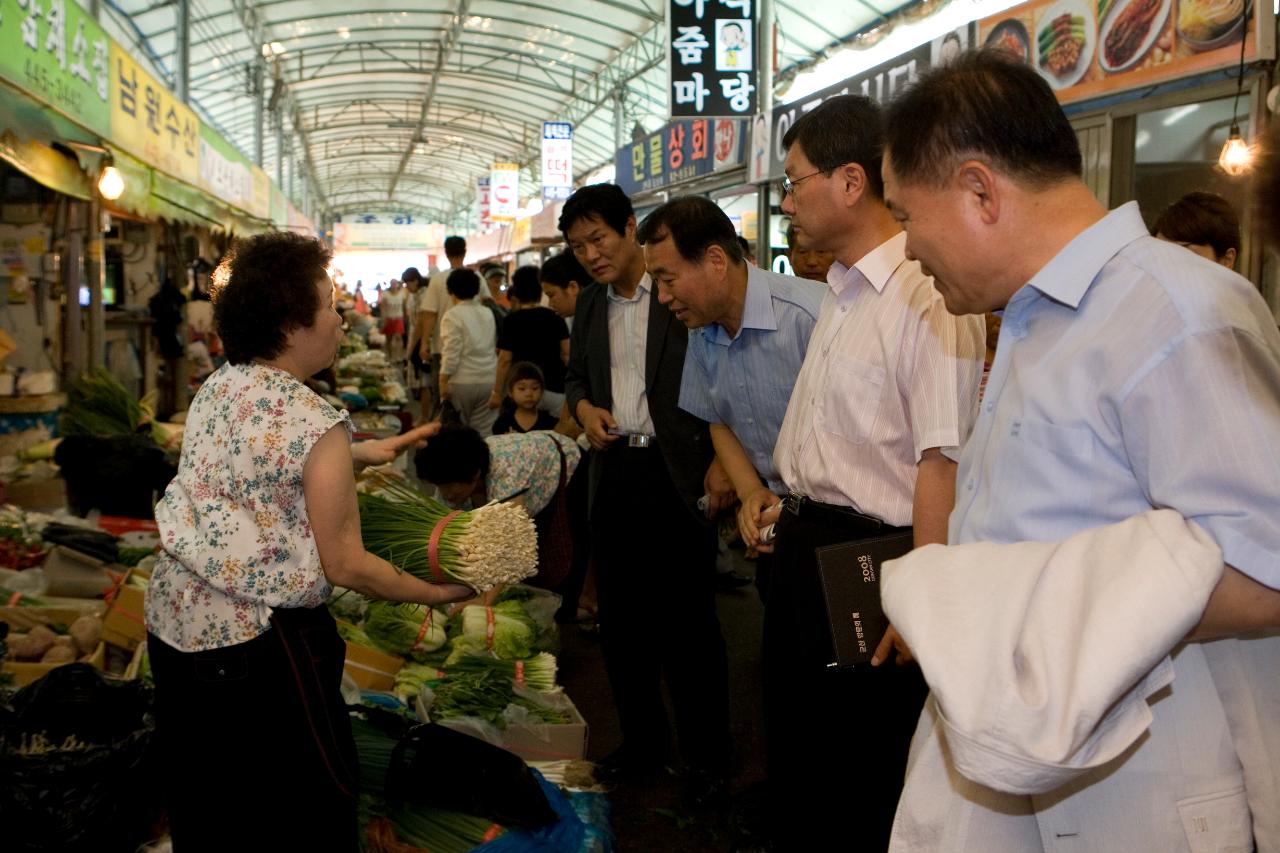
(233,524)
(528,462)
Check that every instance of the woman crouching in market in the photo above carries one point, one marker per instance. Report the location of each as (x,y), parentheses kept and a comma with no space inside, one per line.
(257,528)
(532,469)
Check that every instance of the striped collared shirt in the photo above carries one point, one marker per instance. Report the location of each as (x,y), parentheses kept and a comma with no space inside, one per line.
(889,374)
(628,336)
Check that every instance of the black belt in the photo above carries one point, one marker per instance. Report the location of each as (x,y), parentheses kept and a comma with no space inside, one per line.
(807,509)
(636,441)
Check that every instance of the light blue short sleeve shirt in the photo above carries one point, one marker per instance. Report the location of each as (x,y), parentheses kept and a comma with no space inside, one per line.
(1130,373)
(745,382)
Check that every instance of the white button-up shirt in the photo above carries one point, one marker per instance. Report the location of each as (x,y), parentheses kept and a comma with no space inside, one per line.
(628,336)
(889,374)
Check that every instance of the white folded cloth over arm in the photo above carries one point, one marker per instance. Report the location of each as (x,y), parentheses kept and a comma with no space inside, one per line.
(1041,656)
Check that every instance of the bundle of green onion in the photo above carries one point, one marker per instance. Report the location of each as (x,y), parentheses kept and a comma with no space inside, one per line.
(412,824)
(411,630)
(483,548)
(97,404)
(505,630)
(486,695)
(538,673)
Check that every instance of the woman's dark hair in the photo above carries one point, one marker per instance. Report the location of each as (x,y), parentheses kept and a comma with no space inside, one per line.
(986,105)
(1201,218)
(694,224)
(463,283)
(265,288)
(455,455)
(525,285)
(410,274)
(563,269)
(843,129)
(606,202)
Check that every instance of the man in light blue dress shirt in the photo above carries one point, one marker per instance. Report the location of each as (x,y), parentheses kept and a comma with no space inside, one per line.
(752,332)
(1130,375)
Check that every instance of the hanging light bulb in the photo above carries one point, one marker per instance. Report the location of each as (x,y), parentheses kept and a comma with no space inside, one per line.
(1236,156)
(111,183)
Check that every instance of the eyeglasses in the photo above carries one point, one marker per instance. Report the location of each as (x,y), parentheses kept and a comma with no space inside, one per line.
(789,186)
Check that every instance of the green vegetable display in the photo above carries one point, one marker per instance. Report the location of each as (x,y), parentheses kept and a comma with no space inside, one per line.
(97,404)
(411,630)
(486,695)
(483,548)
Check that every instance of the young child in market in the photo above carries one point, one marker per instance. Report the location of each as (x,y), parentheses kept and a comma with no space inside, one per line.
(520,411)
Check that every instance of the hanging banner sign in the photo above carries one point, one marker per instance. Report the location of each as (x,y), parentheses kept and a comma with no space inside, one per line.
(557,160)
(504,192)
(679,152)
(59,54)
(712,58)
(150,123)
(484,202)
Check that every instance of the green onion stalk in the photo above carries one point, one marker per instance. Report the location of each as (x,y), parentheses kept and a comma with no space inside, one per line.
(409,630)
(482,548)
(538,673)
(486,695)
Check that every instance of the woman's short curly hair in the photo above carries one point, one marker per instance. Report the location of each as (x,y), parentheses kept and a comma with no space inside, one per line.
(265,288)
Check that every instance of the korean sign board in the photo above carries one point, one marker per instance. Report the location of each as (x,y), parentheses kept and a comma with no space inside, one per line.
(504,192)
(484,202)
(59,54)
(712,58)
(557,160)
(679,152)
(881,83)
(149,122)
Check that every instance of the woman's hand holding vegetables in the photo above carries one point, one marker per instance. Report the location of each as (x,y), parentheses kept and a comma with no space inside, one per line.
(597,422)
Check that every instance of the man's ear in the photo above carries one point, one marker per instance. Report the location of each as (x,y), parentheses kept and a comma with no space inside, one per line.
(855,182)
(982,188)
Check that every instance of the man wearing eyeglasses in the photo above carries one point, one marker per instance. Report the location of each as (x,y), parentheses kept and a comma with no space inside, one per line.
(888,389)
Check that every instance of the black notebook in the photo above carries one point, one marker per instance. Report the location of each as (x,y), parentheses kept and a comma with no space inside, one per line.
(850,575)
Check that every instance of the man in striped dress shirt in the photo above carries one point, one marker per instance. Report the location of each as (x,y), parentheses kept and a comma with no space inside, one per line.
(886,397)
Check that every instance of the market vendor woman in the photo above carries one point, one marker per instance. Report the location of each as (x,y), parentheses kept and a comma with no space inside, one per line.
(257,528)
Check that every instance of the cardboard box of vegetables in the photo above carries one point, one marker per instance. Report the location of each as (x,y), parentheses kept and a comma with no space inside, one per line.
(42,638)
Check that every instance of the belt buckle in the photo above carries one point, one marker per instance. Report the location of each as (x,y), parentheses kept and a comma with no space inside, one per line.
(791,503)
(635,440)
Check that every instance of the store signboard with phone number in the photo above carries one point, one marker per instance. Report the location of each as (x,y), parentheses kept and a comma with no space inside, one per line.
(1088,48)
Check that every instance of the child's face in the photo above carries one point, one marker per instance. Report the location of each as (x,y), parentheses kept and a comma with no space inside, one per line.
(526,393)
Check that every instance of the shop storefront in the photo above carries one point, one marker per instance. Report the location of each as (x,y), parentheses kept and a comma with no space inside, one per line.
(1149,85)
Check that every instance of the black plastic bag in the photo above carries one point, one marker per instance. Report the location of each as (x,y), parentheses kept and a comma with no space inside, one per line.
(74,756)
(484,780)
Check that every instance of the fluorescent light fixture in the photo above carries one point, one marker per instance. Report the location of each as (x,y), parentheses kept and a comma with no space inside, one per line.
(1179,114)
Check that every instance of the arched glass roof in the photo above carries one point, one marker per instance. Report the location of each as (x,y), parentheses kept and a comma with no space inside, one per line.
(387,104)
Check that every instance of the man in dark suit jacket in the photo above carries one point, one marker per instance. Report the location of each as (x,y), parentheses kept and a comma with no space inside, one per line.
(654,550)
